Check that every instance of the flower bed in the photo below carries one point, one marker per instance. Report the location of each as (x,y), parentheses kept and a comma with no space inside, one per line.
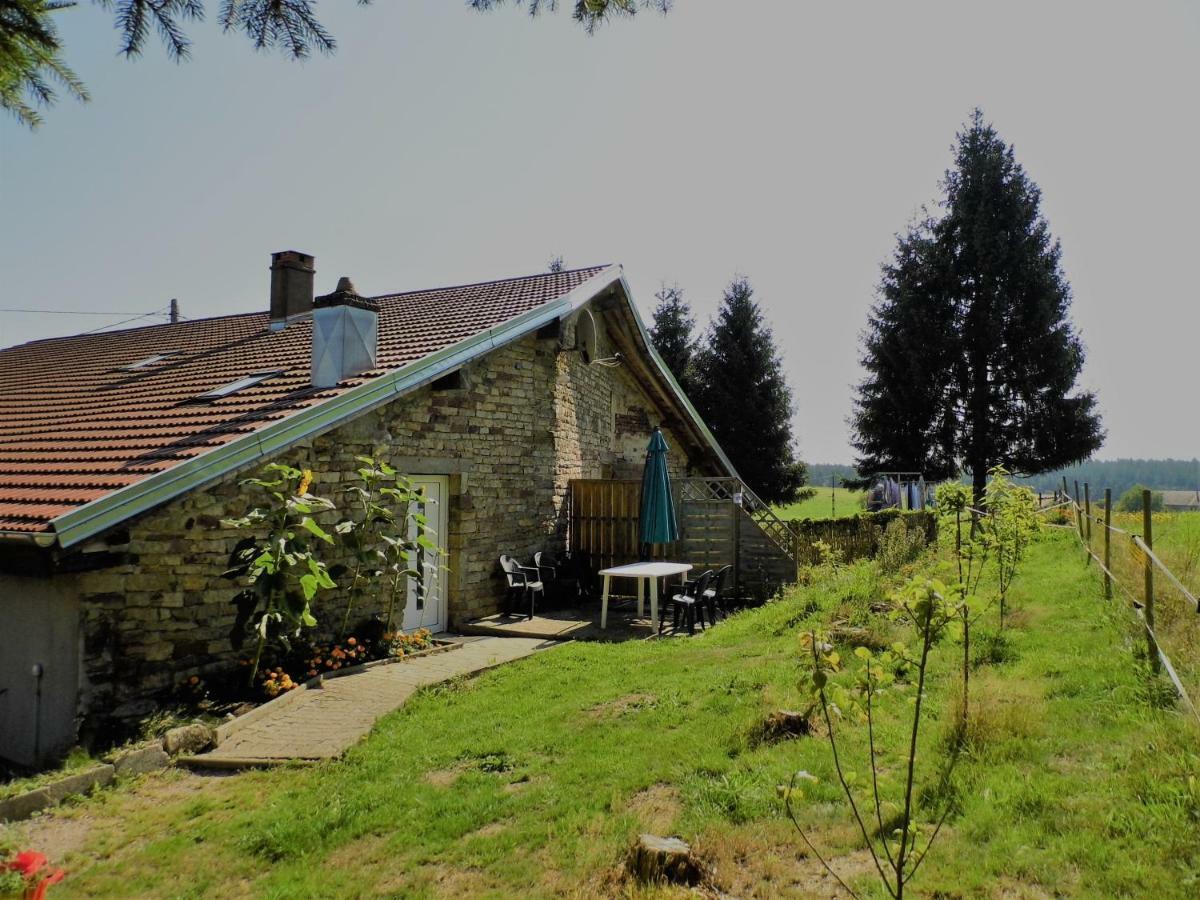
(284,698)
(290,668)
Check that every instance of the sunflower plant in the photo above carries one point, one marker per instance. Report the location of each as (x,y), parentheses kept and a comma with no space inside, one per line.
(279,565)
(386,536)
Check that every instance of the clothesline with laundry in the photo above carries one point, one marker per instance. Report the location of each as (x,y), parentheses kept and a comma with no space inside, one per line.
(899,490)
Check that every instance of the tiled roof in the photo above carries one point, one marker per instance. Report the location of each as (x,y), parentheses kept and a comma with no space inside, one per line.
(75,426)
(1181,498)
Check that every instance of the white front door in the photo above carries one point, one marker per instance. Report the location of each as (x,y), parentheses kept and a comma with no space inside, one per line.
(427,608)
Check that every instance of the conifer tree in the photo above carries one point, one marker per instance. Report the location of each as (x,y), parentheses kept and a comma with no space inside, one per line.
(744,398)
(30,64)
(970,353)
(29,46)
(673,335)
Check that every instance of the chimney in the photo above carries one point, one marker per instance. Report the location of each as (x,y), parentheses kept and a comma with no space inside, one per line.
(345,335)
(291,287)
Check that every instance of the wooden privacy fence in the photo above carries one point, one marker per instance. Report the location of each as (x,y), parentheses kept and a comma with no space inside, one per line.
(604,521)
(722,522)
(714,530)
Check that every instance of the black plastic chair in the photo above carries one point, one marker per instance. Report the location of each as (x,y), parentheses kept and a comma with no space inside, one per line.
(714,597)
(523,582)
(579,564)
(561,581)
(687,604)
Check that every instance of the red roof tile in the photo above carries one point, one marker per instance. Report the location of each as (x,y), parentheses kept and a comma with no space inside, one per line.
(74,426)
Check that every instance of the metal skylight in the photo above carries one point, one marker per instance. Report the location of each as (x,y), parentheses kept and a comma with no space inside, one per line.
(149,361)
(240,385)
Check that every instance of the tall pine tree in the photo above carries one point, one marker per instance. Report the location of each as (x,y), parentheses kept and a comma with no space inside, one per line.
(742,394)
(673,334)
(970,353)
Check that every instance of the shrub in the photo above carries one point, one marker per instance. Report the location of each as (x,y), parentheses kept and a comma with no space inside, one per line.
(1131,500)
(899,545)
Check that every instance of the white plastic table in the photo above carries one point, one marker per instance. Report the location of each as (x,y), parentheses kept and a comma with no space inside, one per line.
(643,572)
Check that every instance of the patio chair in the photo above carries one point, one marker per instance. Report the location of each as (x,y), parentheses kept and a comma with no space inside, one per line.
(687,603)
(523,582)
(579,564)
(714,597)
(559,577)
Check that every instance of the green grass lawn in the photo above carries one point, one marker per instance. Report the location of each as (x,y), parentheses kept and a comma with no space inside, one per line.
(824,506)
(533,779)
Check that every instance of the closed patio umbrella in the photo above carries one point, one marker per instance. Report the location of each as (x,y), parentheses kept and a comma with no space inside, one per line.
(656,517)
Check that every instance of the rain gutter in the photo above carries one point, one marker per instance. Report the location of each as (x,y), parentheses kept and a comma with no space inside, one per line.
(199,471)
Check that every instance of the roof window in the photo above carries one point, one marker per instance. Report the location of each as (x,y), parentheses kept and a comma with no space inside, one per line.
(240,385)
(149,361)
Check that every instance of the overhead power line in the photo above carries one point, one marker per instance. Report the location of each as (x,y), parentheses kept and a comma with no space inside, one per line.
(157,312)
(68,312)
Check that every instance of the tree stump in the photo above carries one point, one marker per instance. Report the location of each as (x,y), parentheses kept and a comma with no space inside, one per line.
(785,723)
(656,859)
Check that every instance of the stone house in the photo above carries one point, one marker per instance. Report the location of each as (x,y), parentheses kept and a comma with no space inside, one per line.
(120,454)
(1181,501)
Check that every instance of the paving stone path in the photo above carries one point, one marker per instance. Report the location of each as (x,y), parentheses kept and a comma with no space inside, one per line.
(324,722)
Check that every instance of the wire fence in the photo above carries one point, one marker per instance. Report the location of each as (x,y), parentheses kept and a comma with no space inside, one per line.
(1153,564)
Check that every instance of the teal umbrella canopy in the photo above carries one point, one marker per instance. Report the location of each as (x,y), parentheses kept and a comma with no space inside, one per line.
(656,518)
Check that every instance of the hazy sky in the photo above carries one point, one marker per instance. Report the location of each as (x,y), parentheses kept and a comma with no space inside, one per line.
(782,139)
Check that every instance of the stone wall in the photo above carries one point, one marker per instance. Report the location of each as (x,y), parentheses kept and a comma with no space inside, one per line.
(510,434)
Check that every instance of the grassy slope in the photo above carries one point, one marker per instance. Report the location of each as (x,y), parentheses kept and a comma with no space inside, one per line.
(818,506)
(533,779)
(1177,544)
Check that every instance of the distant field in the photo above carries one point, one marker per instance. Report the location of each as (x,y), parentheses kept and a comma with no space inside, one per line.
(820,506)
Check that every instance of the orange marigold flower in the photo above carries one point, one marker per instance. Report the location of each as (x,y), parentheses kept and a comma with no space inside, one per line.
(352,641)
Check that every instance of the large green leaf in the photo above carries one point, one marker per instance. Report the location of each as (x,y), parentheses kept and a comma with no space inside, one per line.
(309,525)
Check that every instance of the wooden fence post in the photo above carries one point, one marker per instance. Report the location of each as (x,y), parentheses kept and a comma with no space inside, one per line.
(737,547)
(1148,599)
(796,551)
(1087,508)
(1079,513)
(1107,543)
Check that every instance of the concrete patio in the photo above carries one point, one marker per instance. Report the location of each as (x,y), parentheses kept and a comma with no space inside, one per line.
(581,623)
